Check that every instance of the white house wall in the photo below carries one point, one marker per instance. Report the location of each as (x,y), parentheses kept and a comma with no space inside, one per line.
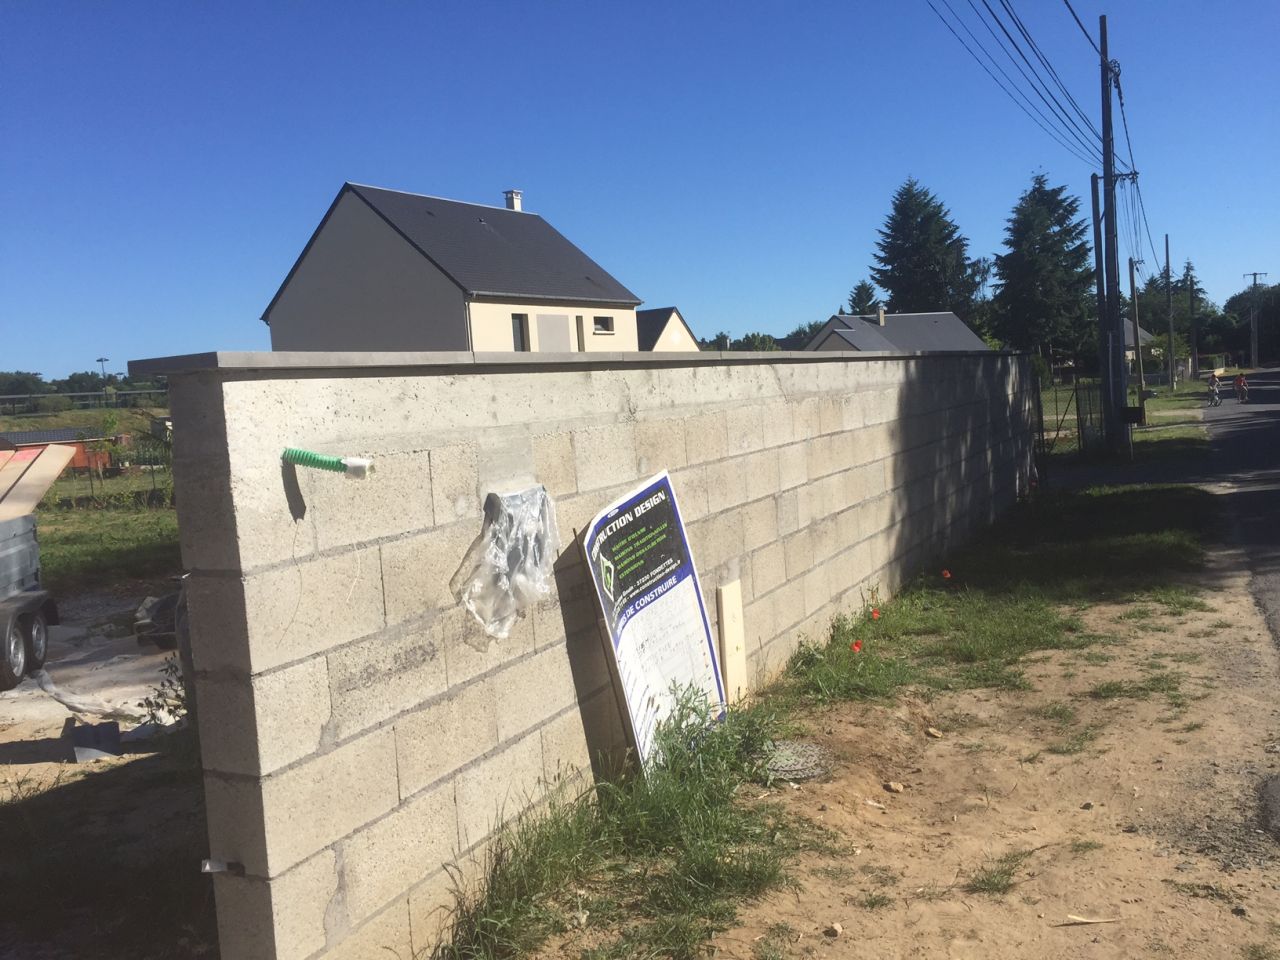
(675,338)
(361,286)
(491,326)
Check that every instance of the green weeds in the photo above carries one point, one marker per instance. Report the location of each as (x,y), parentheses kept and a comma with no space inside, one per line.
(996,877)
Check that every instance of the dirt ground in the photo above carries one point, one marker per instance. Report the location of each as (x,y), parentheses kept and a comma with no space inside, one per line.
(1140,811)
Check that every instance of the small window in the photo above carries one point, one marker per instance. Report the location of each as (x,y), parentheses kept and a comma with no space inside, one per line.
(582,334)
(603,324)
(520,332)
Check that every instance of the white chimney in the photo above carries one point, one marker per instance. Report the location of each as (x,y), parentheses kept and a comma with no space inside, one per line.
(880,316)
(513,199)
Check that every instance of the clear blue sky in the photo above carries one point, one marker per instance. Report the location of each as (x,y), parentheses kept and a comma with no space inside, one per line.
(164,163)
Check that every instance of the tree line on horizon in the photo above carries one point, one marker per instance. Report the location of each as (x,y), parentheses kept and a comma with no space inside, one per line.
(1036,295)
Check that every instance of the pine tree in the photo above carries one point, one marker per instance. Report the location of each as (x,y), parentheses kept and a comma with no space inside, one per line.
(922,261)
(863,300)
(1045,275)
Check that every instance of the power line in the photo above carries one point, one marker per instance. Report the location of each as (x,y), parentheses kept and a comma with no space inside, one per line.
(1040,55)
(1052,132)
(1087,35)
(1037,82)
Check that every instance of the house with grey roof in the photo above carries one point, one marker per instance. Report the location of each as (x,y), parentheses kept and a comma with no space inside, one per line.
(664,329)
(897,333)
(389,270)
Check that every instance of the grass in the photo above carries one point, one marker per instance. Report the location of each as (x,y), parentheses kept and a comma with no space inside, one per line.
(87,549)
(1083,846)
(129,419)
(1259,951)
(675,848)
(668,856)
(1203,891)
(996,877)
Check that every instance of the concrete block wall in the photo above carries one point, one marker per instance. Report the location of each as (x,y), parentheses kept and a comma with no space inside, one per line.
(360,731)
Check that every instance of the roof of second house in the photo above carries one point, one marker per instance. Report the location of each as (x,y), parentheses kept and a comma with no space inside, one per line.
(860,336)
(651,323)
(24,438)
(493,251)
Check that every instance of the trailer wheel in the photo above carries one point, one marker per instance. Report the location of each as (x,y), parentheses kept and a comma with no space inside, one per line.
(13,656)
(37,639)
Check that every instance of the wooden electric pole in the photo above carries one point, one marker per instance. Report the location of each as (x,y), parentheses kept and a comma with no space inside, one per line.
(1100,283)
(1137,347)
(1168,289)
(1253,318)
(1117,429)
(1191,319)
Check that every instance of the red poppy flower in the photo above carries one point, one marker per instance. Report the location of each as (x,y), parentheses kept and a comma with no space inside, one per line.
(875,614)
(856,646)
(946,574)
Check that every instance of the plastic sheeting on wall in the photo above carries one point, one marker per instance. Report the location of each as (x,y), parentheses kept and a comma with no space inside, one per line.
(509,566)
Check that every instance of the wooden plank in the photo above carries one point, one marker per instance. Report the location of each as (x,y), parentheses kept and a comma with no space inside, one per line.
(36,479)
(16,467)
(733,641)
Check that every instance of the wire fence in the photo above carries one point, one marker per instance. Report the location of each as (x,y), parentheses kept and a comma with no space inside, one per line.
(1070,416)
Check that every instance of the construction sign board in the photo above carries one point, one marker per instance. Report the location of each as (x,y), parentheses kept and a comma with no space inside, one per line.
(659,636)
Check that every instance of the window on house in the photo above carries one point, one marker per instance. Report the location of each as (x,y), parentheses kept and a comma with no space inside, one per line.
(520,332)
(603,324)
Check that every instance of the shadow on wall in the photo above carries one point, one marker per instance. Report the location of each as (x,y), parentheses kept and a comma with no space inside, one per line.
(963,441)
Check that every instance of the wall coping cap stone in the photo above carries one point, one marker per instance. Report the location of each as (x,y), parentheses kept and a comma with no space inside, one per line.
(288,362)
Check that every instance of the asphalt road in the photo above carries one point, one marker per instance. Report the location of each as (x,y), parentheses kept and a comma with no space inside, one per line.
(1246,470)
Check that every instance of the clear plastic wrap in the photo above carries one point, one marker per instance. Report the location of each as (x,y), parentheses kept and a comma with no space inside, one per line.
(509,566)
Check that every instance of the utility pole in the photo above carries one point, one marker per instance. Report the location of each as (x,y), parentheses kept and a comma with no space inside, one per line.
(1168,289)
(1253,318)
(1117,430)
(1191,318)
(1137,346)
(1104,341)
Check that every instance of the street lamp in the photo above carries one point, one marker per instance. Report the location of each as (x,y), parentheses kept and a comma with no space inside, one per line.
(102,362)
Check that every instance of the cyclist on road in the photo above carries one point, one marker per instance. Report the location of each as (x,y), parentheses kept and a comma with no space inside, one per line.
(1215,387)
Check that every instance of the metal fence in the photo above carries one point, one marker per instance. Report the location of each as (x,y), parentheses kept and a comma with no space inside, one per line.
(1070,416)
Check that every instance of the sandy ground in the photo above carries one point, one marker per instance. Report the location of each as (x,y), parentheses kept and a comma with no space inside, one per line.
(92,654)
(1154,824)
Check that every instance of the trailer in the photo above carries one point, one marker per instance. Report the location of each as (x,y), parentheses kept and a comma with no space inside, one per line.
(27,610)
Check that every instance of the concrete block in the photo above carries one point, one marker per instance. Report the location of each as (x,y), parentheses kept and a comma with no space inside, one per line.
(430,905)
(445,735)
(759,523)
(744,426)
(660,445)
(605,456)
(505,461)
(295,612)
(817,590)
(726,484)
(762,474)
(343,512)
(533,690)
(768,568)
(497,788)
(565,754)
(797,550)
(553,463)
(470,652)
(386,858)
(219,626)
(804,419)
(788,606)
(788,506)
(258,822)
(714,539)
(416,570)
(706,437)
(690,488)
(776,420)
(374,679)
(257,726)
(455,483)
(792,467)
(281,919)
(386,935)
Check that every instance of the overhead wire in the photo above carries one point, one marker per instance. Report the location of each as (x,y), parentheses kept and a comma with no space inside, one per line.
(1087,35)
(1091,142)
(1044,124)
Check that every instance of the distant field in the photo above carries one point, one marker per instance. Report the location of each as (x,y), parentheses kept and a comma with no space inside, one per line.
(130,419)
(88,549)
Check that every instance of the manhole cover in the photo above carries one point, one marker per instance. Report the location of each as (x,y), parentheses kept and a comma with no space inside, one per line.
(797,760)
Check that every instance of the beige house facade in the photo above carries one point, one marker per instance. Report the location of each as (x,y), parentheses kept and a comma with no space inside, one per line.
(665,330)
(393,271)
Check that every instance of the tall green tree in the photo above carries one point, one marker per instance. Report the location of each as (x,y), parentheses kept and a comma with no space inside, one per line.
(863,299)
(1044,275)
(922,260)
